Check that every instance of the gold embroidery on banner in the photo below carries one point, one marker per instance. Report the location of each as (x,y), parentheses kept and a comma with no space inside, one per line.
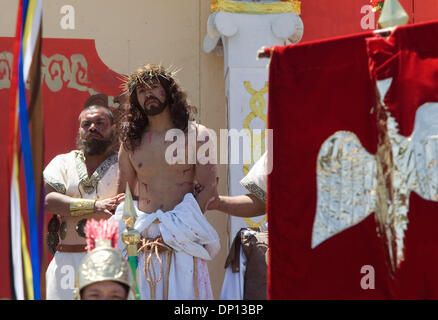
(351,183)
(346,185)
(257,105)
(57,71)
(393,185)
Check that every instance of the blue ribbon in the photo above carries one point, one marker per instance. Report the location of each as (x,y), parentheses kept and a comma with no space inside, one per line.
(28,168)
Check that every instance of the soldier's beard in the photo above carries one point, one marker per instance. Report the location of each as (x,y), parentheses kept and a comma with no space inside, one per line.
(93,146)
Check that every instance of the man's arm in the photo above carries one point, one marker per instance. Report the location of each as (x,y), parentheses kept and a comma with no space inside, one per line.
(58,203)
(127,173)
(206,178)
(205,173)
(245,206)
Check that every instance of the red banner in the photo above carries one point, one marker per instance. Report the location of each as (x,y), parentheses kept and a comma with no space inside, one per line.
(329,163)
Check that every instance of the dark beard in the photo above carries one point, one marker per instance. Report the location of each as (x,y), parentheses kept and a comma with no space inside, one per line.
(154,110)
(94,147)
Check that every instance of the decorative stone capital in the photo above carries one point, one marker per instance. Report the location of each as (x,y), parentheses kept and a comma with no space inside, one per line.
(243,34)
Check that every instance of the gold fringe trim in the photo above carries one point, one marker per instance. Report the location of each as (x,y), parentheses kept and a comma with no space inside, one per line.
(195,276)
(256,8)
(166,284)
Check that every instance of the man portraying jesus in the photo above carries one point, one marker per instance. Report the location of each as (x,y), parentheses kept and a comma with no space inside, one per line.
(176,237)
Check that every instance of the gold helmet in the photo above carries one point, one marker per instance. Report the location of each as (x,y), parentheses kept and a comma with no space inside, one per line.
(103,262)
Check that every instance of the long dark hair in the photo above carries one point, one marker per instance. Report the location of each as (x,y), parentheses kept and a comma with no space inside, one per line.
(134,121)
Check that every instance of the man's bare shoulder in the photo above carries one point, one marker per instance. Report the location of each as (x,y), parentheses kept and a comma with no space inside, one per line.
(200,128)
(122,147)
(125,152)
(124,155)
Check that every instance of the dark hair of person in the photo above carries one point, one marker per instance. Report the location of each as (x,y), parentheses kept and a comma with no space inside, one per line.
(106,110)
(99,102)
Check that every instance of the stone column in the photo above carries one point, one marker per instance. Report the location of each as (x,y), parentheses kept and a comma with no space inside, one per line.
(238,29)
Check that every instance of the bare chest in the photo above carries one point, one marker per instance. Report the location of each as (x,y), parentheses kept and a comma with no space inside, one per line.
(155,154)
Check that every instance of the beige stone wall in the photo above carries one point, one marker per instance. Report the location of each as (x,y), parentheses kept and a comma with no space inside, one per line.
(131,33)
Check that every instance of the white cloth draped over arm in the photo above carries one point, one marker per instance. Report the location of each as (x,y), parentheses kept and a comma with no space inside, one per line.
(255,180)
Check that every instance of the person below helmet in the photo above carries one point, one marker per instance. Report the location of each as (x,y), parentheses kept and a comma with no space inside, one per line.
(103,274)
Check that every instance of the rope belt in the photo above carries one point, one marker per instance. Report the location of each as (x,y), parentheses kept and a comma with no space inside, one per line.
(153,247)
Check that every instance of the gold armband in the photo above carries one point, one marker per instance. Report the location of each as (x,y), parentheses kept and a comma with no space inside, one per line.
(80,207)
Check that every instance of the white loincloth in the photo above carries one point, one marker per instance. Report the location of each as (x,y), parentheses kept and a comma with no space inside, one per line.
(61,274)
(190,235)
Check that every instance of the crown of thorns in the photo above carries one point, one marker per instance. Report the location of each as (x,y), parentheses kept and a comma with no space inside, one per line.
(147,74)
